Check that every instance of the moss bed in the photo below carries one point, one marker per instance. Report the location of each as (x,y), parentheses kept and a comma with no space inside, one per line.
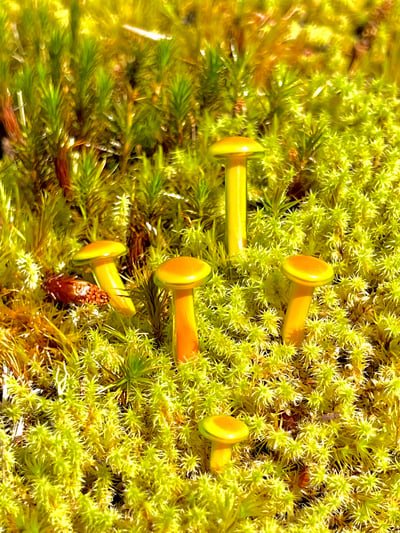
(105,135)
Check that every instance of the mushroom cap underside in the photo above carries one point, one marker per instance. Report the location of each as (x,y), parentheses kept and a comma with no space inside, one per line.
(99,250)
(308,270)
(224,429)
(182,273)
(239,146)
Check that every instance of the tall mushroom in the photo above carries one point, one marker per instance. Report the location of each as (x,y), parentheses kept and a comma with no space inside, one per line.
(235,151)
(101,255)
(181,275)
(223,431)
(306,272)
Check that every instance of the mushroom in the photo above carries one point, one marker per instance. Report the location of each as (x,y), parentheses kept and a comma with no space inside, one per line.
(236,151)
(223,431)
(181,275)
(306,272)
(101,255)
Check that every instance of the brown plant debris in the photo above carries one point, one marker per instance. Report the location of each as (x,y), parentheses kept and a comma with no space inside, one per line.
(368,32)
(71,290)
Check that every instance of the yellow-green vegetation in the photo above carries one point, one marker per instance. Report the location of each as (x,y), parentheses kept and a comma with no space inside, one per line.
(105,135)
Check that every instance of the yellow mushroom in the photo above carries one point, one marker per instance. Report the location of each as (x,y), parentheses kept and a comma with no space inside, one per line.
(181,275)
(101,255)
(306,272)
(235,151)
(223,431)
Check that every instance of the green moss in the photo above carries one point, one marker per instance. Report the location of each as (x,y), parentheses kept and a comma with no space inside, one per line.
(106,136)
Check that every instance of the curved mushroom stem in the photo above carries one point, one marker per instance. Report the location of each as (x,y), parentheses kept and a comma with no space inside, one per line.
(236,204)
(296,314)
(221,454)
(108,278)
(185,340)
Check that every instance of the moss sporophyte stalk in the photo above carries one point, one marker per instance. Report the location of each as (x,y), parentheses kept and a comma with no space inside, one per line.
(123,402)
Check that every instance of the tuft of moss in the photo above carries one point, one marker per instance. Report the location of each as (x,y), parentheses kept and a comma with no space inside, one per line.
(105,135)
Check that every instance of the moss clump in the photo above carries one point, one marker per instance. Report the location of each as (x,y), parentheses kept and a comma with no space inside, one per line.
(105,136)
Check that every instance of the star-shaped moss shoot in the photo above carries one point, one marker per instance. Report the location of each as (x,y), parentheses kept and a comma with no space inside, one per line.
(181,275)
(306,273)
(101,255)
(235,151)
(223,431)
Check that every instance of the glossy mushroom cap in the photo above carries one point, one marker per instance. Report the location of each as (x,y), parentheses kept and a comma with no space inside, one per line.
(308,270)
(100,249)
(183,273)
(224,429)
(239,146)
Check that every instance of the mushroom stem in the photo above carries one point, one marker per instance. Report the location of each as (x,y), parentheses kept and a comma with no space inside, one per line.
(108,278)
(296,314)
(221,454)
(185,340)
(236,204)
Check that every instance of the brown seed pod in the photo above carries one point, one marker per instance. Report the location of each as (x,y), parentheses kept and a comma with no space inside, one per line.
(72,290)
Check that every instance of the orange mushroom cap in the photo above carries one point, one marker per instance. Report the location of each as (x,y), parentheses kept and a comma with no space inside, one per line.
(308,270)
(239,146)
(224,429)
(100,249)
(182,273)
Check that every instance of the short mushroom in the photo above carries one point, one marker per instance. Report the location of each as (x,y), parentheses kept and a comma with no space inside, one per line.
(306,272)
(181,275)
(236,151)
(101,255)
(223,431)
